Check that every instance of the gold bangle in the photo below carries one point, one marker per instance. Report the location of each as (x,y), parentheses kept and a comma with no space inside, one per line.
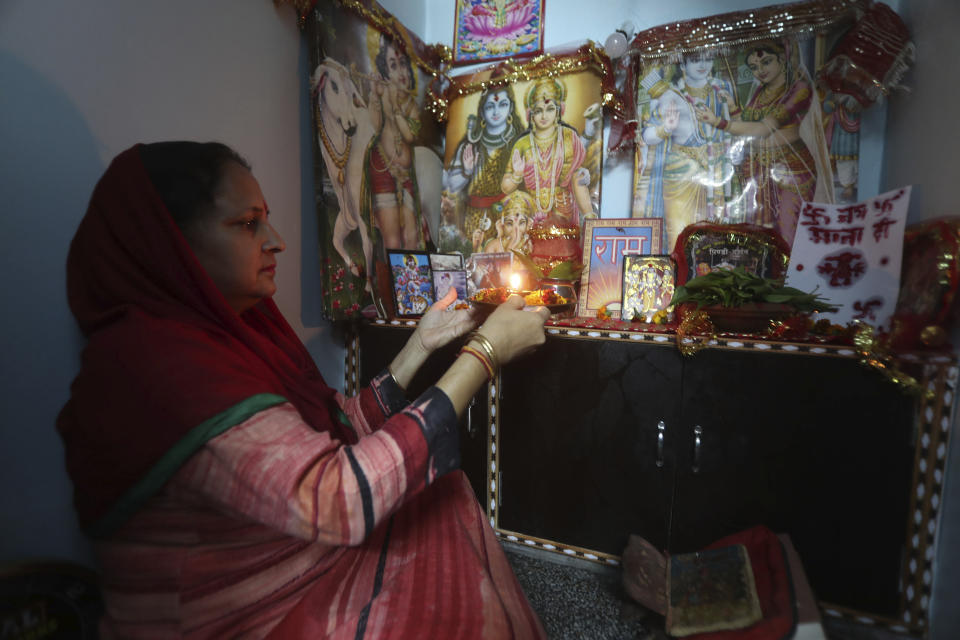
(484,343)
(394,377)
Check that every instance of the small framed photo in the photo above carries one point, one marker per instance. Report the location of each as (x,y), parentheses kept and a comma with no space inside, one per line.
(446,262)
(488,271)
(486,31)
(648,286)
(705,247)
(443,281)
(412,282)
(606,241)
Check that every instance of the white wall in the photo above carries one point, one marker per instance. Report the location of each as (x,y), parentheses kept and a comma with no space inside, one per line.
(81,82)
(922,136)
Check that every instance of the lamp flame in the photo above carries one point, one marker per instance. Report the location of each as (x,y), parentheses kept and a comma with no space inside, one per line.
(515,281)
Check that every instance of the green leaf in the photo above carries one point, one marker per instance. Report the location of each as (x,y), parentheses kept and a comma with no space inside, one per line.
(565,271)
(735,287)
(530,265)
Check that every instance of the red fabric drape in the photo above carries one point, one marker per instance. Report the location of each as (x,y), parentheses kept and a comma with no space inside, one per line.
(165,351)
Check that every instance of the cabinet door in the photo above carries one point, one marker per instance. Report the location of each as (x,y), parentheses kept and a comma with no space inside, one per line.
(816,447)
(578,442)
(380,344)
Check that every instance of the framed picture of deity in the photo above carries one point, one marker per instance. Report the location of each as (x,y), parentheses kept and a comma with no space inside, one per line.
(412,281)
(488,271)
(446,261)
(606,241)
(376,148)
(486,30)
(443,281)
(704,247)
(648,286)
(705,97)
(522,162)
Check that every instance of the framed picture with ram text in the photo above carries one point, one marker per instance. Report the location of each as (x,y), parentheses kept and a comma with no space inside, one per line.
(606,241)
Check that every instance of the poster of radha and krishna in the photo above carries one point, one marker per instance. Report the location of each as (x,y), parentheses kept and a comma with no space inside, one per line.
(732,136)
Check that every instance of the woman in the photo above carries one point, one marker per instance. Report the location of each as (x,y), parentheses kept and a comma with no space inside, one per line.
(481,159)
(547,163)
(229,490)
(781,172)
(389,187)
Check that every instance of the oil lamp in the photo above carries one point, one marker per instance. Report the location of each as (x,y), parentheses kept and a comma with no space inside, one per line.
(515,280)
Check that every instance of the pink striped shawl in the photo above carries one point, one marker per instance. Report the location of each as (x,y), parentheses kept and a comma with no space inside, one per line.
(266,531)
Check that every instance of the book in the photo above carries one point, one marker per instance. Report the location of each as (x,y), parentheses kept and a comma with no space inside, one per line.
(711,590)
(699,592)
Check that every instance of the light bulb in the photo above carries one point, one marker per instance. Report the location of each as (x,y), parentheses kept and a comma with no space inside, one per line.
(618,41)
(616,44)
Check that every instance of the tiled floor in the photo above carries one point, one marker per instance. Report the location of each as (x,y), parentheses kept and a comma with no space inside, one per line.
(581,600)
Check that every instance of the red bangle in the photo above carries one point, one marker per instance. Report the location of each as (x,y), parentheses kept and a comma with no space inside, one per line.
(482,358)
(722,124)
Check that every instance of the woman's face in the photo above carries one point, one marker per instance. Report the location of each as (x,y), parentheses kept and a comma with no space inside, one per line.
(544,114)
(496,110)
(397,68)
(764,66)
(235,242)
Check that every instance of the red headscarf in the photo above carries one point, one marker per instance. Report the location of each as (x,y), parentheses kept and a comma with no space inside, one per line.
(165,352)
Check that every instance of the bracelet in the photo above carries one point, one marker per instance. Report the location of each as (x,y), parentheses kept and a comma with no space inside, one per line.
(482,358)
(394,377)
(661,132)
(722,124)
(516,177)
(485,345)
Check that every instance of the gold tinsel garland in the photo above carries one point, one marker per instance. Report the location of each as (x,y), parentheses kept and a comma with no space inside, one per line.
(873,354)
(587,57)
(694,332)
(732,30)
(553,232)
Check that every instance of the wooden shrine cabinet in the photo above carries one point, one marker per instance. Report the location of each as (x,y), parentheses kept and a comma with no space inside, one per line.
(598,435)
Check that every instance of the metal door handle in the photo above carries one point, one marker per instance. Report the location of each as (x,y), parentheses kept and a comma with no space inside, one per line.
(697,432)
(661,428)
(473,402)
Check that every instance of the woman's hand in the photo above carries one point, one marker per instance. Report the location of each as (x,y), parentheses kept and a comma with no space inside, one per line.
(439,325)
(514,330)
(436,328)
(511,332)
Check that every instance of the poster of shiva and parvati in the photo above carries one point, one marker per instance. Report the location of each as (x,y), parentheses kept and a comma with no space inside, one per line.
(381,150)
(522,168)
(742,136)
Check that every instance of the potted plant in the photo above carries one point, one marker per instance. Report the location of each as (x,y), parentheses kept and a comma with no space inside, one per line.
(737,300)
